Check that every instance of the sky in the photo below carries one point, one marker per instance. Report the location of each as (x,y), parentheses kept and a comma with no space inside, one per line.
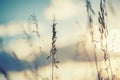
(18,10)
(17,34)
(13,10)
(71,17)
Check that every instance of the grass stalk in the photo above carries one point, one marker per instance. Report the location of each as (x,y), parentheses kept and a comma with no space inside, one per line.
(104,34)
(54,49)
(91,12)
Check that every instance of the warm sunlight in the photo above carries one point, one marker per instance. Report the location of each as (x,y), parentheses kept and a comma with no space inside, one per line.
(114,41)
(59,40)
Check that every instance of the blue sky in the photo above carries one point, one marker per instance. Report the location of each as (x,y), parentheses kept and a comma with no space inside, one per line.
(14,13)
(71,28)
(18,10)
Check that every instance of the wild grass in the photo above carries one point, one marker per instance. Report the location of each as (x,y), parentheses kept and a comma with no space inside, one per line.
(4,72)
(103,30)
(102,19)
(90,13)
(33,19)
(54,49)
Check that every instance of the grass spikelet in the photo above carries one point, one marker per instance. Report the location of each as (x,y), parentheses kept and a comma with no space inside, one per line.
(54,49)
(102,19)
(90,13)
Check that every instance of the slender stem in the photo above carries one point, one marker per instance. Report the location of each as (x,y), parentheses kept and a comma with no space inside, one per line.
(104,34)
(109,61)
(52,67)
(89,10)
(95,56)
(96,65)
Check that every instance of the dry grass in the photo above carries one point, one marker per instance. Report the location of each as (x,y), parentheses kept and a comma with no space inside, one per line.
(104,34)
(54,49)
(90,13)
(105,73)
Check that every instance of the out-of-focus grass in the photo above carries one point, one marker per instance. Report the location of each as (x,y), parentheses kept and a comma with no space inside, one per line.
(70,70)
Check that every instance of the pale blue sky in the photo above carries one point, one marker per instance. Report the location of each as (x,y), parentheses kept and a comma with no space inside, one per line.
(70,12)
(15,13)
(19,10)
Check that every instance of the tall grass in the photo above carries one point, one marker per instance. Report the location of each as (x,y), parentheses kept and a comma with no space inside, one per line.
(103,37)
(54,49)
(90,13)
(103,30)
(4,72)
(28,37)
(35,22)
(102,19)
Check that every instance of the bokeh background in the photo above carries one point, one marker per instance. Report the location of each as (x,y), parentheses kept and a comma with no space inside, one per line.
(23,53)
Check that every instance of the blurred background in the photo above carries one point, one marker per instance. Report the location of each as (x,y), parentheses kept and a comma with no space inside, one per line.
(26,39)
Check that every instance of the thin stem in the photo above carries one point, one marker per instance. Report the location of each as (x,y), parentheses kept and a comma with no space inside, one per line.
(104,34)
(95,56)
(52,67)
(90,11)
(109,61)
(54,49)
